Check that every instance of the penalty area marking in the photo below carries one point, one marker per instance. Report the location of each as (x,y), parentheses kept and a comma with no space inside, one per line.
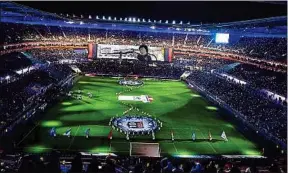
(28,134)
(175,147)
(73,137)
(208,143)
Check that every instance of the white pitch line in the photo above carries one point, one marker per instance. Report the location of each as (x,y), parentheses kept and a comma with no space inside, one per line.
(208,143)
(175,147)
(28,134)
(74,137)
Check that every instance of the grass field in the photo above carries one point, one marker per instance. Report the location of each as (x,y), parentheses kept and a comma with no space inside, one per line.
(178,107)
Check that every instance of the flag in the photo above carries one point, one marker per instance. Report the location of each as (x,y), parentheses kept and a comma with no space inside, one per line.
(210,136)
(68,132)
(193,136)
(172,136)
(87,133)
(223,135)
(127,136)
(110,135)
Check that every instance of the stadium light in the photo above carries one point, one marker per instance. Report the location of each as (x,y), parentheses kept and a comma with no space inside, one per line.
(154,21)
(144,20)
(173,22)
(138,20)
(149,20)
(134,19)
(178,29)
(166,22)
(125,19)
(153,27)
(103,18)
(97,17)
(120,19)
(90,17)
(181,22)
(109,18)
(130,20)
(189,29)
(115,19)
(7,77)
(188,23)
(160,21)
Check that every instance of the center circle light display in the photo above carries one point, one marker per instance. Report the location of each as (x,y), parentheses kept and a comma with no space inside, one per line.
(130,82)
(136,125)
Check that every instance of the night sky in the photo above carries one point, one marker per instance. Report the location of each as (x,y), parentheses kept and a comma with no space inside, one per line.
(193,11)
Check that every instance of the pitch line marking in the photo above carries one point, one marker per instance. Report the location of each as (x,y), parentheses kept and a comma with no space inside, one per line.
(28,134)
(175,147)
(208,142)
(74,137)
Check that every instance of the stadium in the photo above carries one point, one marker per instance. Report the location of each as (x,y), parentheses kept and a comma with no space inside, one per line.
(84,93)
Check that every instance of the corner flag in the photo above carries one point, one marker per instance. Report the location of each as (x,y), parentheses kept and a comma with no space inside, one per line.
(193,136)
(210,136)
(110,135)
(223,135)
(172,135)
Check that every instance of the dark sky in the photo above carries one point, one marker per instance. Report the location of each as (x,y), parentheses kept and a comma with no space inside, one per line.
(193,11)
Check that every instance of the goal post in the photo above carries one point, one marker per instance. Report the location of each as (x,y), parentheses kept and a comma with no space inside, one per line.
(144,149)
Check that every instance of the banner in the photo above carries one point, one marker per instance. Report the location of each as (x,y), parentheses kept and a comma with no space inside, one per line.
(92,48)
(114,51)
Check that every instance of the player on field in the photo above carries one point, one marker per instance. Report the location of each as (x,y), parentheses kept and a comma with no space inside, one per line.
(68,132)
(87,133)
(53,132)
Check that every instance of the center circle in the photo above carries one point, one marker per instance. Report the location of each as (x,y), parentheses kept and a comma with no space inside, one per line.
(130,82)
(135,124)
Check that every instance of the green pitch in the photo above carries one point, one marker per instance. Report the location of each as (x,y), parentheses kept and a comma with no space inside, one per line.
(179,108)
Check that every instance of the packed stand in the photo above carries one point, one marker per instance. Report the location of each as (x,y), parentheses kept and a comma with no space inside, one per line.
(264,115)
(263,79)
(56,163)
(263,48)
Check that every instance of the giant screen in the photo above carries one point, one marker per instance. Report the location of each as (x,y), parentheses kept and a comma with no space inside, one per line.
(113,52)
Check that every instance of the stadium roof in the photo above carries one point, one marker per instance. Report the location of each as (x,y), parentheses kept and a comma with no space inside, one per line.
(16,13)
